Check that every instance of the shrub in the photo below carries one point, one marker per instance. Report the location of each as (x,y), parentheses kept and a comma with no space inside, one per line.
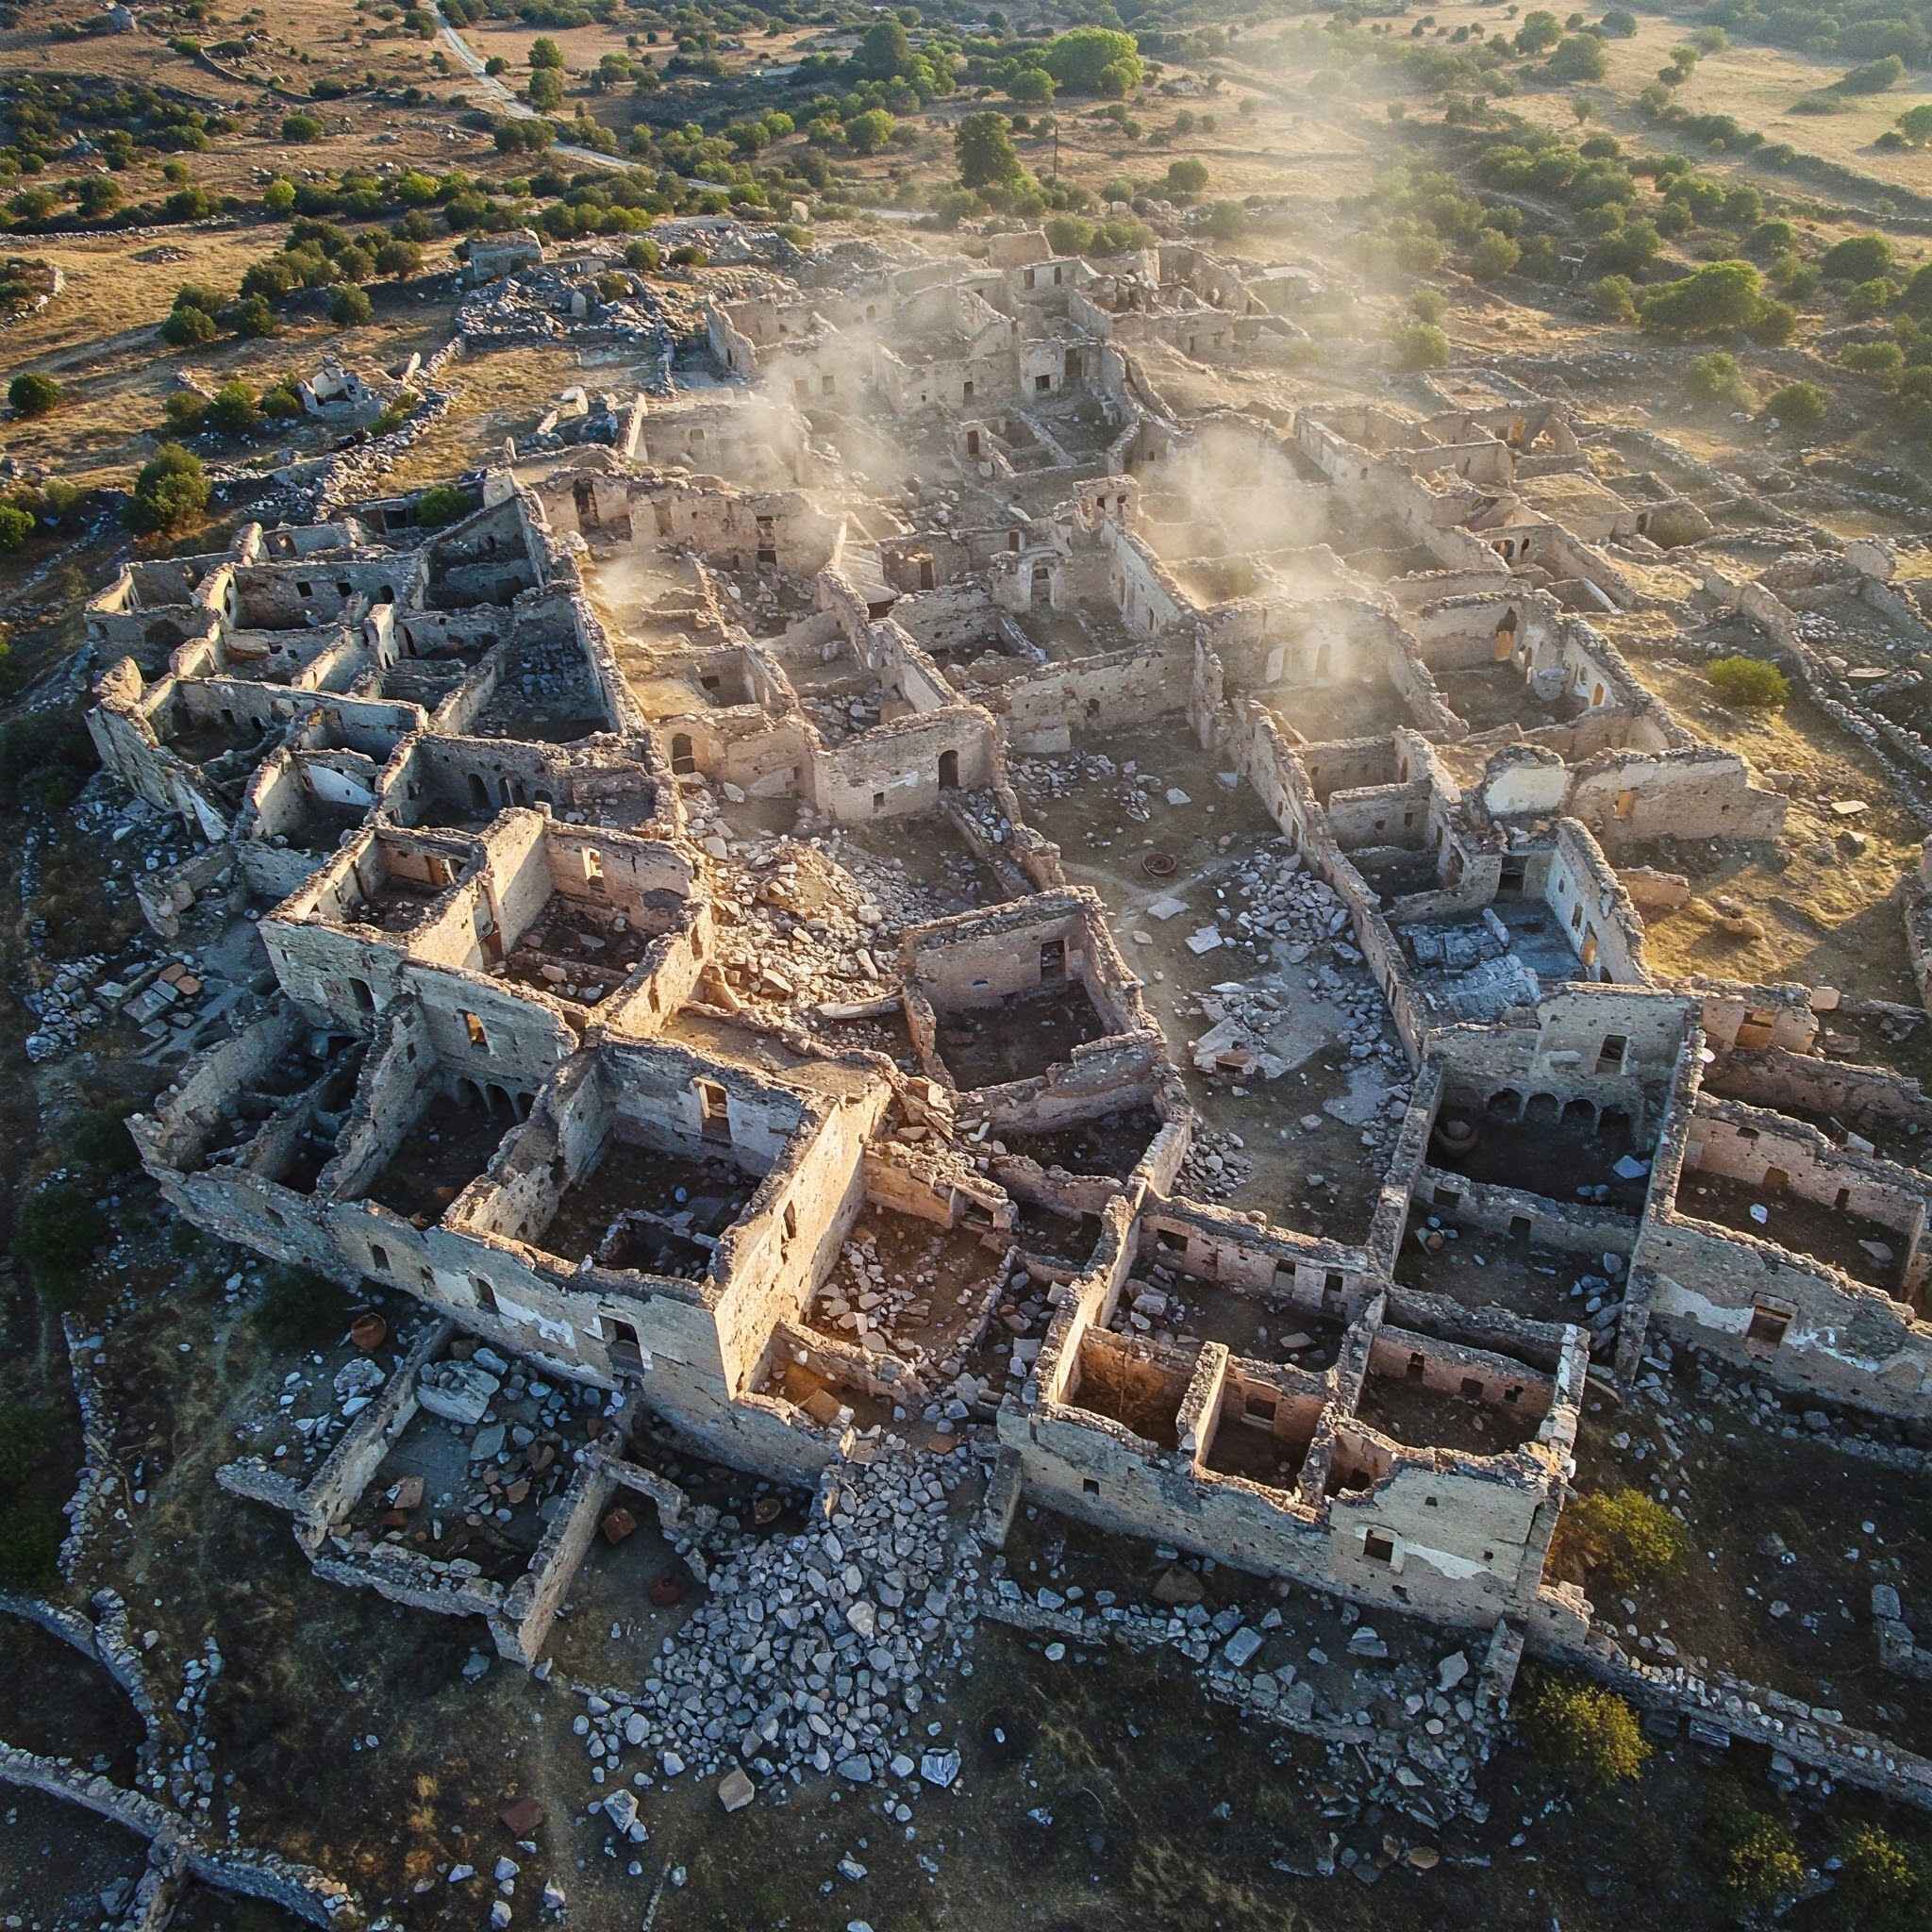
(29,1545)
(1588,1732)
(187,327)
(170,492)
(26,1435)
(1749,684)
(1723,296)
(1886,360)
(33,396)
(1493,256)
(300,1311)
(54,1236)
(1626,1533)
(16,527)
(1798,406)
(279,197)
(299,129)
(1580,56)
(1758,1861)
(231,411)
(1614,299)
(442,503)
(253,317)
(1856,258)
(1881,1885)
(100,1140)
(1867,299)
(643,255)
(1227,220)
(350,308)
(1421,345)
(1874,78)
(1187,176)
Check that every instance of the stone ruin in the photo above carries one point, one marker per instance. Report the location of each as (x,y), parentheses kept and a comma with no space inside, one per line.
(664,987)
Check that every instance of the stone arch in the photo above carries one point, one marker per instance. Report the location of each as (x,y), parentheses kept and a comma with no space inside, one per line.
(1506,1102)
(1543,1110)
(1579,1113)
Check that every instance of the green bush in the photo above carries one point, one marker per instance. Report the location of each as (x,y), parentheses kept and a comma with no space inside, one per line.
(350,308)
(1886,360)
(1614,299)
(441,504)
(55,1236)
(1421,345)
(1799,405)
(1856,258)
(1724,296)
(1874,78)
(1882,1886)
(1589,1733)
(100,1140)
(26,1433)
(1866,299)
(33,396)
(1757,1857)
(1493,256)
(16,527)
(188,328)
(29,1545)
(299,129)
(1627,1534)
(300,1311)
(231,411)
(1747,684)
(170,493)
(1187,177)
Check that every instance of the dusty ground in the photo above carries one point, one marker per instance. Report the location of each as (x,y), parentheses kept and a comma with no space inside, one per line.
(1830,916)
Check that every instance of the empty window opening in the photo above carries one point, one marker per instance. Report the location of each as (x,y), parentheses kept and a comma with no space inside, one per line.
(486,1295)
(627,1349)
(1053,961)
(714,1108)
(1416,1367)
(1471,1388)
(683,758)
(1378,1548)
(1768,1327)
(791,1221)
(1090,1485)
(365,998)
(380,1255)
(474,1027)
(1609,1055)
(949,771)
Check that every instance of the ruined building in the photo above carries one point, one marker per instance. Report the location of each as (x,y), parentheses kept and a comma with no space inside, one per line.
(673,982)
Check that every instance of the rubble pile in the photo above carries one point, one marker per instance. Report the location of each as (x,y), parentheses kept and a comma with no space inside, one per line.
(812,1653)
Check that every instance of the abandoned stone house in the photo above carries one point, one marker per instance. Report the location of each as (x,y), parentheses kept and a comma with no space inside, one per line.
(567,1043)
